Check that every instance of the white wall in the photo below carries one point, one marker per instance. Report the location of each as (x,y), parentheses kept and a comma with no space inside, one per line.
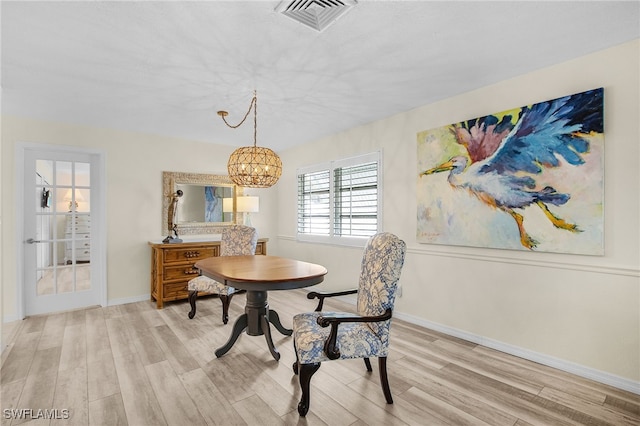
(582,311)
(134,166)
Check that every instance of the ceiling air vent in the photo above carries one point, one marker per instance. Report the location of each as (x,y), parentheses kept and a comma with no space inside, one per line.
(316,14)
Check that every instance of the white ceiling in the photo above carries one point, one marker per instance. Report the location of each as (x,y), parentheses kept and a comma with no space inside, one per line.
(166,67)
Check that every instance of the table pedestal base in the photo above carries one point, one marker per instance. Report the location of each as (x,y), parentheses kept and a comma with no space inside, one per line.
(255,320)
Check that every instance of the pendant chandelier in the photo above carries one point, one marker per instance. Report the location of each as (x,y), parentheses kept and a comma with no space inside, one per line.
(252,166)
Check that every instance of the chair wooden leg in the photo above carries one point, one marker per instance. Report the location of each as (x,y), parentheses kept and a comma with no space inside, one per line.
(297,362)
(226,301)
(306,371)
(368,364)
(384,379)
(193,295)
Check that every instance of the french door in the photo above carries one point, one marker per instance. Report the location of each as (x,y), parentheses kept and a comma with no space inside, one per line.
(61,269)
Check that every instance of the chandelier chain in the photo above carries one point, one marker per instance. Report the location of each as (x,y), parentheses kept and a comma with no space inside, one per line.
(254,105)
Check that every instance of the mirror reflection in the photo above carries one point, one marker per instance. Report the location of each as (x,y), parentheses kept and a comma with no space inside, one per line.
(199,209)
(203,203)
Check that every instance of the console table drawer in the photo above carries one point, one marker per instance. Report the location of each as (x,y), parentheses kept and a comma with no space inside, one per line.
(176,291)
(180,272)
(190,254)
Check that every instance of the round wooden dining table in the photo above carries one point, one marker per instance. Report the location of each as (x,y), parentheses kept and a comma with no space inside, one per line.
(258,275)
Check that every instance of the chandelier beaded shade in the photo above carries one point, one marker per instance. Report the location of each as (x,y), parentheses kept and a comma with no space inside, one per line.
(253,166)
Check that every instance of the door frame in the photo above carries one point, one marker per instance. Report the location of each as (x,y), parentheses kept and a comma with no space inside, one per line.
(98,217)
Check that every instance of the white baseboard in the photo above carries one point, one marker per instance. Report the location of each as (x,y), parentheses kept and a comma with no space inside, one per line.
(125,300)
(10,318)
(111,302)
(560,364)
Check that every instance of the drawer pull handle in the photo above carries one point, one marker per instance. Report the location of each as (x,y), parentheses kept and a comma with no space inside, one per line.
(190,254)
(190,271)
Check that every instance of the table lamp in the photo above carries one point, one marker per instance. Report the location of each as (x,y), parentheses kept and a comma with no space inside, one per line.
(247,205)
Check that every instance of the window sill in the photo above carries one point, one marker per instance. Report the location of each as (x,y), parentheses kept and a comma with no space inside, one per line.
(334,241)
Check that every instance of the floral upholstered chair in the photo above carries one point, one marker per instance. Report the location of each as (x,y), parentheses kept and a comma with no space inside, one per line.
(325,336)
(237,240)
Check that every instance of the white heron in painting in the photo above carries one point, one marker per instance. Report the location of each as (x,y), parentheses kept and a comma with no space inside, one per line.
(503,156)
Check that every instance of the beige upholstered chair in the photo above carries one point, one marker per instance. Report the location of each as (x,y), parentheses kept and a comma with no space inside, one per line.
(325,336)
(237,240)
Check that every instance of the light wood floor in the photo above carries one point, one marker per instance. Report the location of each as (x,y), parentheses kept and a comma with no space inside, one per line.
(133,364)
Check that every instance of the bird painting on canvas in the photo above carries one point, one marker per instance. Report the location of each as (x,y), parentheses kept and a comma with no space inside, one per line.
(502,159)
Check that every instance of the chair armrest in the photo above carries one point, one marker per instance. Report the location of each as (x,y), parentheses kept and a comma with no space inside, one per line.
(321,295)
(330,346)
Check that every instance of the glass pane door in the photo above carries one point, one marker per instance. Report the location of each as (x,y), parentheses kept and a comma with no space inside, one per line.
(58,261)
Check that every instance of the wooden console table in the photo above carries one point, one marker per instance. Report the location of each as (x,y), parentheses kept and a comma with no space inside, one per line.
(172,266)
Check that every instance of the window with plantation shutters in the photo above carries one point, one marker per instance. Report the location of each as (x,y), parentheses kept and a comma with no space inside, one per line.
(314,203)
(355,200)
(340,202)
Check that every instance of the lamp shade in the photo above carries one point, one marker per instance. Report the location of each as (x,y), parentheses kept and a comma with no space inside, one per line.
(248,204)
(254,167)
(227,205)
(68,196)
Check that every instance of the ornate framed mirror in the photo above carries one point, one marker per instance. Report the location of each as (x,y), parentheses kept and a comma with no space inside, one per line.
(206,204)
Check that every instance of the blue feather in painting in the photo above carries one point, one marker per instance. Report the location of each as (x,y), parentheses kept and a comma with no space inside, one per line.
(504,155)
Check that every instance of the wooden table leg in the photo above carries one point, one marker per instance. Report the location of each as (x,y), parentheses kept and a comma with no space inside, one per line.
(267,335)
(274,319)
(239,326)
